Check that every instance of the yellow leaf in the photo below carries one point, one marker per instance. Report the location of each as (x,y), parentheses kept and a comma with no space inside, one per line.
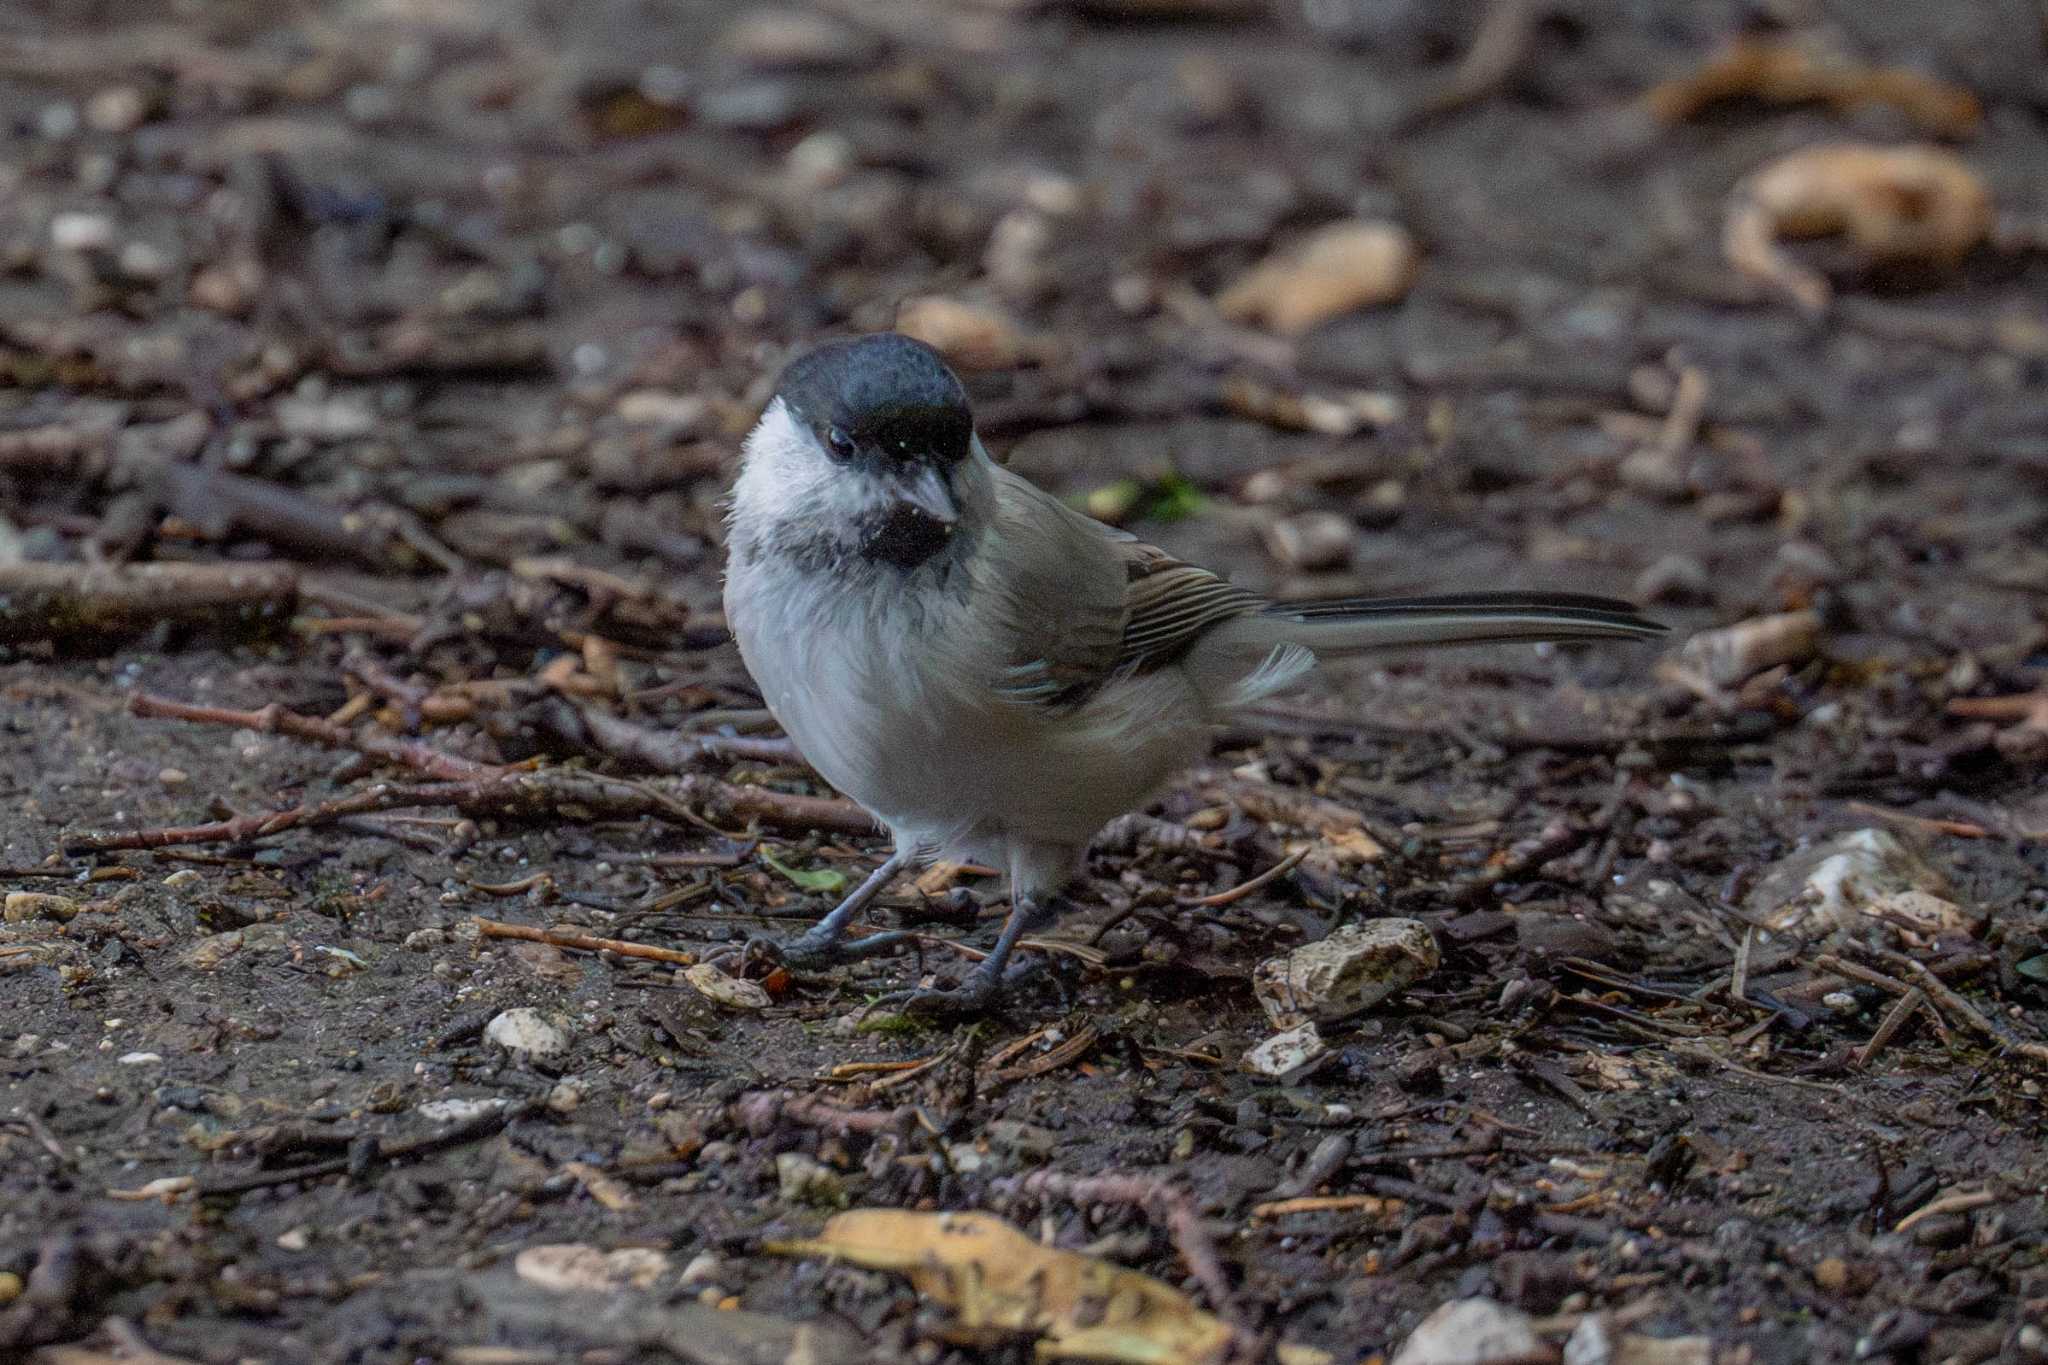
(995,1278)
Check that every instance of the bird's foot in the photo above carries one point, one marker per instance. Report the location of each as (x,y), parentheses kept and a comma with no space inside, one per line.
(979,993)
(813,951)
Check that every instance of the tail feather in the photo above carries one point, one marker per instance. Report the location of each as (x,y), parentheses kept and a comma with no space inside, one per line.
(1357,624)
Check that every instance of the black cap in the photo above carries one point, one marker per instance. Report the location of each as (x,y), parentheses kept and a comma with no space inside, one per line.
(884,397)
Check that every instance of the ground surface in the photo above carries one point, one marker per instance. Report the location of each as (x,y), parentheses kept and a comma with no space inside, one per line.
(502,281)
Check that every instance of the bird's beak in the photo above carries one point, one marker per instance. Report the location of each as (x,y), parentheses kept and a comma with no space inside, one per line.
(928,491)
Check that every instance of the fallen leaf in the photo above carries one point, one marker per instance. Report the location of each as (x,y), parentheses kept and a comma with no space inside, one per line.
(997,1281)
(730,991)
(1335,270)
(1892,203)
(971,335)
(825,880)
(1794,70)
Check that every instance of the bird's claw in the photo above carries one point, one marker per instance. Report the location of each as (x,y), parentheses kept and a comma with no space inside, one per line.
(979,993)
(815,952)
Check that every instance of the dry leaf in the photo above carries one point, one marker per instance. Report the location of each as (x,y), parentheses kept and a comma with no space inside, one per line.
(971,335)
(1337,270)
(1795,71)
(730,991)
(997,1280)
(1893,204)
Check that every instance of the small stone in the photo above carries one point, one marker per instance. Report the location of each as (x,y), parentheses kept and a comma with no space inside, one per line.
(1831,1273)
(144,262)
(341,417)
(1336,270)
(1022,1139)
(10,1287)
(527,1031)
(578,1266)
(116,109)
(1311,541)
(1285,1054)
(1353,969)
(459,1111)
(140,1058)
(426,940)
(82,232)
(804,1180)
(295,1239)
(174,777)
(565,1098)
(23,906)
(1469,1332)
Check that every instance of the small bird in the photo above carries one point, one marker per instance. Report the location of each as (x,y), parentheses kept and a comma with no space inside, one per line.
(991,674)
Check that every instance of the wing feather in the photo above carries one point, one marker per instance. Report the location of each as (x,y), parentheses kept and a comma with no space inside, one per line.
(1093,603)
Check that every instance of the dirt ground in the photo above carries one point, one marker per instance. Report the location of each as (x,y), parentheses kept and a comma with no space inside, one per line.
(460,309)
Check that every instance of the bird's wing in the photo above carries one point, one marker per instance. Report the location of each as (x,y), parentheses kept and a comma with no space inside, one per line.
(1087,603)
(1171,605)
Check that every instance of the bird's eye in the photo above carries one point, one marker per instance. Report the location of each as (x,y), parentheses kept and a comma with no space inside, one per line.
(840,444)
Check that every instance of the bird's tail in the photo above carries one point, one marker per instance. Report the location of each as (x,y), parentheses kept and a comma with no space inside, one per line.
(1355,625)
(1250,657)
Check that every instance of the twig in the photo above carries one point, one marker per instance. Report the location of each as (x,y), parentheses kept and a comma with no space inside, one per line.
(469,1130)
(1165,1202)
(759,1112)
(498,789)
(66,601)
(1498,47)
(1960,1202)
(242,828)
(274,719)
(1522,860)
(1243,889)
(1961,829)
(589,943)
(656,750)
(1946,997)
(1894,1019)
(1329,1203)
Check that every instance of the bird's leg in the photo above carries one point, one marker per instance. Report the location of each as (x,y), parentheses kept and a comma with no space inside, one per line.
(820,945)
(983,986)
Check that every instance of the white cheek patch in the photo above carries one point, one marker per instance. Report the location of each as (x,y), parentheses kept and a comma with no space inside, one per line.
(787,476)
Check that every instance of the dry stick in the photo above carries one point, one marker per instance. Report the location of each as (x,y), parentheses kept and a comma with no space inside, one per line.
(274,719)
(1497,49)
(759,1112)
(1894,1019)
(63,601)
(658,750)
(1163,1201)
(469,1130)
(242,828)
(589,943)
(1245,888)
(494,788)
(1946,996)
